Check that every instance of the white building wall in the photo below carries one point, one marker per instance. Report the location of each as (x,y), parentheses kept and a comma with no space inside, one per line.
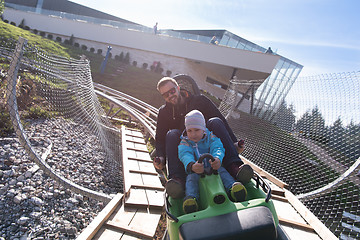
(177,55)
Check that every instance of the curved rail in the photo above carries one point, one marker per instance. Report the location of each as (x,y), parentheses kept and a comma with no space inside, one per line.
(141,111)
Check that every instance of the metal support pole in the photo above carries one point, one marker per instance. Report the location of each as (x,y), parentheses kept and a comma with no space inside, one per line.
(103,64)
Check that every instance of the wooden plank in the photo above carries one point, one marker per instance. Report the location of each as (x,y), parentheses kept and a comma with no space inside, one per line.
(134,179)
(295,224)
(130,237)
(130,135)
(140,159)
(143,155)
(105,233)
(262,172)
(275,190)
(129,229)
(297,234)
(152,180)
(133,130)
(159,188)
(146,166)
(130,154)
(130,145)
(126,164)
(318,226)
(137,141)
(144,223)
(155,198)
(279,198)
(146,220)
(141,146)
(138,150)
(98,221)
(134,134)
(143,172)
(137,197)
(123,214)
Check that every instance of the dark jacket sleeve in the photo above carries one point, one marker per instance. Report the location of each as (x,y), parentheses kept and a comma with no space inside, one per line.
(161,130)
(210,110)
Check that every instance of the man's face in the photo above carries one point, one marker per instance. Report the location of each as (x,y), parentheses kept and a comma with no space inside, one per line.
(170,92)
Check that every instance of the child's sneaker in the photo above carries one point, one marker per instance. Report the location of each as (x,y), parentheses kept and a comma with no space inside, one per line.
(238,192)
(190,205)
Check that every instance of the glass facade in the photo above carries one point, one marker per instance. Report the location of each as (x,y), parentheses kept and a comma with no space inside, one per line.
(272,92)
(268,96)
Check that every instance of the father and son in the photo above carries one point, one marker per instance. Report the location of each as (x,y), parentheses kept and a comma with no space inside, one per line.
(188,126)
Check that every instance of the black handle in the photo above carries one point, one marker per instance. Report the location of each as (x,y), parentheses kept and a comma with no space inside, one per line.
(200,160)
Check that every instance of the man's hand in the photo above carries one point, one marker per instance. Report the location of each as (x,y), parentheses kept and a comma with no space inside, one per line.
(240,146)
(198,168)
(159,163)
(215,164)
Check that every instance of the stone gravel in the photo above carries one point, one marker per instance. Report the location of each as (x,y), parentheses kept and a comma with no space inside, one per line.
(32,205)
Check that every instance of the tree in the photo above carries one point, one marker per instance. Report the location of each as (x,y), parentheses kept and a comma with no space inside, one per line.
(285,117)
(351,141)
(336,134)
(302,125)
(317,125)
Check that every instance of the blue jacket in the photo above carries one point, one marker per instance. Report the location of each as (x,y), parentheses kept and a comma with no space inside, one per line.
(190,151)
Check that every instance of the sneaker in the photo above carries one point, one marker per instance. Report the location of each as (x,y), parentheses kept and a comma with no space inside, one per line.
(238,192)
(175,188)
(190,205)
(244,174)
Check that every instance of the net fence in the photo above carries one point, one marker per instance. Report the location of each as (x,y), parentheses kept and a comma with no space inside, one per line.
(59,120)
(312,144)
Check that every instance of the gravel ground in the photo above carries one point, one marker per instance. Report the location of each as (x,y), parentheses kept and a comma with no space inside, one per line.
(32,205)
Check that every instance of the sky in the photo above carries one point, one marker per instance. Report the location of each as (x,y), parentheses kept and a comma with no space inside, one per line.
(321,35)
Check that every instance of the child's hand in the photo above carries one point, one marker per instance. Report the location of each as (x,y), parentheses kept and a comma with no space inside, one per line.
(215,164)
(198,168)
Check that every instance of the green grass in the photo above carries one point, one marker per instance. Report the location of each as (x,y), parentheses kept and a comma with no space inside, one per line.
(137,82)
(134,81)
(8,31)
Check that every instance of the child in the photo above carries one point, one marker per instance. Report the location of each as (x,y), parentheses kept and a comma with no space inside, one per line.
(196,140)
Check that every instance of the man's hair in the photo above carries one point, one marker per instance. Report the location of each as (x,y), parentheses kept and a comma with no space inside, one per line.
(165,80)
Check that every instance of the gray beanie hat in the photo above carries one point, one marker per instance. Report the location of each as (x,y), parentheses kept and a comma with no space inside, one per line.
(195,119)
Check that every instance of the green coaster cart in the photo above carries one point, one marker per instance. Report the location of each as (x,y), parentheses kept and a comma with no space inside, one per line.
(220,218)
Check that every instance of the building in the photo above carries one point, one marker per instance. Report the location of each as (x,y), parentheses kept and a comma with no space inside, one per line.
(178,51)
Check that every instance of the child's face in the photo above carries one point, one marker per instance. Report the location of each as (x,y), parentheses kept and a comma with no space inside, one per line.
(195,134)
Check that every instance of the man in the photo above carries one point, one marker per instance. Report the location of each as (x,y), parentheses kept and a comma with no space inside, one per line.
(170,125)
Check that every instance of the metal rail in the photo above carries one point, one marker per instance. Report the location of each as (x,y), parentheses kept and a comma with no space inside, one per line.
(144,113)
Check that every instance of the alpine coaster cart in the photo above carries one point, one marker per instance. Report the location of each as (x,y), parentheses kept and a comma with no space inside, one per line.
(218,217)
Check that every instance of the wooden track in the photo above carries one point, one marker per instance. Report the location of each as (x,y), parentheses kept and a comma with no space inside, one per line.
(136,213)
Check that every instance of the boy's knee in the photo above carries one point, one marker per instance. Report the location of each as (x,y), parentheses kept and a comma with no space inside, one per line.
(193,177)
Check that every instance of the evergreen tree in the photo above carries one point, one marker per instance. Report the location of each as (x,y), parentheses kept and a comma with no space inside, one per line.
(302,125)
(285,117)
(351,141)
(317,125)
(336,134)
